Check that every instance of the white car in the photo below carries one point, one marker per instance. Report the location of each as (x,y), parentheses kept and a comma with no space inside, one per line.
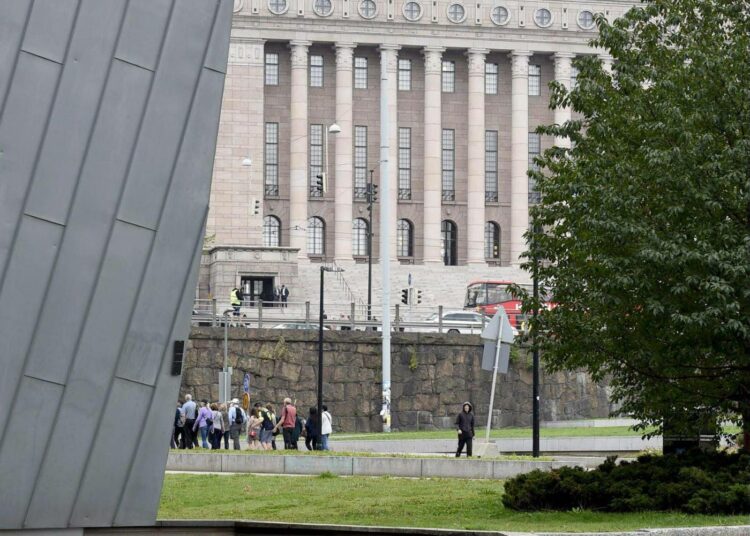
(467,322)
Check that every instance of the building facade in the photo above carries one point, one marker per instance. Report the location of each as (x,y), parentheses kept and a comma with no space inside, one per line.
(466,84)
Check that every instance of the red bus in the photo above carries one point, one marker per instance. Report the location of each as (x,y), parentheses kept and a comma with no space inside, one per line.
(487,296)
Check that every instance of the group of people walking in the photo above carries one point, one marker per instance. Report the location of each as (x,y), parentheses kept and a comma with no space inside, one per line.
(212,423)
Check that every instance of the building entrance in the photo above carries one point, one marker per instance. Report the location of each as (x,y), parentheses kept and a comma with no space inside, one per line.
(258,288)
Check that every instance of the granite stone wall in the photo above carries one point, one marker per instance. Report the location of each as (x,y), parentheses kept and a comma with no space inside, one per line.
(432,375)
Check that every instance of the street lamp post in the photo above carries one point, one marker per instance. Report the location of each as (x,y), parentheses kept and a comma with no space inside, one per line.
(333,129)
(225,370)
(323,269)
(535,358)
(370,234)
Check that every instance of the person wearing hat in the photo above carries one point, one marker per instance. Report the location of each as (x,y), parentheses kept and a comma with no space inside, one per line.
(237,419)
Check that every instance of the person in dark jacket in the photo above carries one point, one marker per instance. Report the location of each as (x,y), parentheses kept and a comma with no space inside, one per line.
(465,425)
(312,439)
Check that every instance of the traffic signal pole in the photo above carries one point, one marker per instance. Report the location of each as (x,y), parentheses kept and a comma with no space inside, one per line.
(370,196)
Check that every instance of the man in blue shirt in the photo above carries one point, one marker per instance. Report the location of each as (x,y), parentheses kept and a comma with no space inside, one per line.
(190,413)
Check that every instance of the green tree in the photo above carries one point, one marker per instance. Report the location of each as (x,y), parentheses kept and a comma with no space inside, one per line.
(646,242)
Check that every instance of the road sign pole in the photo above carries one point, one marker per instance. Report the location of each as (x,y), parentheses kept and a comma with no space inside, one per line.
(494,384)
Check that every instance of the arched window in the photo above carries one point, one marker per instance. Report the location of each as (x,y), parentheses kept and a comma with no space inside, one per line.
(491,240)
(448,243)
(359,237)
(271,228)
(316,236)
(404,238)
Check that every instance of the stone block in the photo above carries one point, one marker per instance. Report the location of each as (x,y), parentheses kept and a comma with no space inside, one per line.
(249,463)
(402,467)
(314,465)
(179,461)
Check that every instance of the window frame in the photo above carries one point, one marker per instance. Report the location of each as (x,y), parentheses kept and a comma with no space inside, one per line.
(404,75)
(280,12)
(448,76)
(404,163)
(360,72)
(321,13)
(593,20)
(490,171)
(494,19)
(537,12)
(450,17)
(448,165)
(360,140)
(361,13)
(315,160)
(273,72)
(534,196)
(404,12)
(448,242)
(491,240)
(491,79)
(535,90)
(271,160)
(360,237)
(316,234)
(316,71)
(269,230)
(404,226)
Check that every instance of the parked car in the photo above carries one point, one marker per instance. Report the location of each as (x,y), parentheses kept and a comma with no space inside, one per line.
(467,322)
(297,325)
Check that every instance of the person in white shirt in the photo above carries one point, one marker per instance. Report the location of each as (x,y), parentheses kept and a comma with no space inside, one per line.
(326,427)
(237,418)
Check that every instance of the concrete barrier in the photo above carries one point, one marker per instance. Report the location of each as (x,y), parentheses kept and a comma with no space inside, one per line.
(436,468)
(406,467)
(178,461)
(244,463)
(314,465)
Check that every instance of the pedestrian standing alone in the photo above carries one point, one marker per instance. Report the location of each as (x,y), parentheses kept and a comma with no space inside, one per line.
(218,427)
(253,429)
(191,412)
(237,419)
(284,293)
(312,439)
(202,424)
(225,419)
(287,424)
(465,425)
(327,428)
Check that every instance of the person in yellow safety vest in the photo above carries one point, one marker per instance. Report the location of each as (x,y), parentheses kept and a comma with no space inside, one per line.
(235,297)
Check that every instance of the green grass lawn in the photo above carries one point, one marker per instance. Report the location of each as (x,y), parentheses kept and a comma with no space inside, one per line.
(502,433)
(434,503)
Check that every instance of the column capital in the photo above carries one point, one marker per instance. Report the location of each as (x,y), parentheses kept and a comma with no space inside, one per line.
(344,54)
(299,53)
(387,46)
(520,63)
(563,66)
(433,57)
(476,57)
(563,55)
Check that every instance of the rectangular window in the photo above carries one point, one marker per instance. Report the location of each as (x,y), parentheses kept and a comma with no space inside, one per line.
(449,165)
(490,165)
(404,75)
(272,69)
(535,149)
(360,72)
(316,160)
(404,163)
(360,162)
(316,71)
(449,76)
(573,77)
(490,78)
(271,179)
(535,80)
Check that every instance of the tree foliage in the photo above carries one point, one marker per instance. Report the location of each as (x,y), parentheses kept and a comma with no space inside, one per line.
(646,220)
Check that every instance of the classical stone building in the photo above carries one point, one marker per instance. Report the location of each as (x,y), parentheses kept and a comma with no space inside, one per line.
(466,83)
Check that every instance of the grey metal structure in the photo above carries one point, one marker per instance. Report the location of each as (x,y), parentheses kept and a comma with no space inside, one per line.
(109,111)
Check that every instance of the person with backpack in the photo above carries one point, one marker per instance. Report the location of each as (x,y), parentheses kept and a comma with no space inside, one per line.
(235,298)
(266,428)
(326,428)
(237,419)
(287,424)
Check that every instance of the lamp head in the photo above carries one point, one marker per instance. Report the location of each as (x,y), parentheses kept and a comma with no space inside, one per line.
(247,162)
(334,129)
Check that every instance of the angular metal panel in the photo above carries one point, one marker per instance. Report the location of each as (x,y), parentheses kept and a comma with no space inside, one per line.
(98,497)
(91,376)
(73,114)
(12,26)
(90,222)
(147,338)
(143,32)
(19,465)
(21,299)
(218,49)
(169,106)
(49,28)
(21,131)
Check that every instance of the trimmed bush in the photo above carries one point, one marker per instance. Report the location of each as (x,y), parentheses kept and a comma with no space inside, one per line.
(694,483)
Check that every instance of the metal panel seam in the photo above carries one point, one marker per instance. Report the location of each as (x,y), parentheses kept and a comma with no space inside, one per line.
(119,202)
(45,58)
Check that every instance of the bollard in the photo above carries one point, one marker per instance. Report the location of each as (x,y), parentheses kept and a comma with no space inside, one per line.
(440,318)
(352,316)
(395,322)
(260,313)
(307,314)
(213,312)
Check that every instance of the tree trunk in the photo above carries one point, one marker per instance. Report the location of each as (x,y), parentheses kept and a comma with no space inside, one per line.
(745,428)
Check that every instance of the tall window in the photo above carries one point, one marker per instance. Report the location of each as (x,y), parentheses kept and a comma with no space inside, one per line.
(271,228)
(360,72)
(316,160)
(359,237)
(491,240)
(360,162)
(535,148)
(316,236)
(449,76)
(449,165)
(271,179)
(448,242)
(404,238)
(404,75)
(490,78)
(535,80)
(490,165)
(573,77)
(272,69)
(404,163)
(316,71)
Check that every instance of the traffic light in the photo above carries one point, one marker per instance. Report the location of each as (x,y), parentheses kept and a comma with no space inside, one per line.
(255,206)
(374,193)
(321,182)
(419,296)
(405,296)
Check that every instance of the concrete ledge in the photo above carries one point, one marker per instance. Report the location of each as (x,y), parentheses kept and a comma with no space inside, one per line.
(177,461)
(436,468)
(314,465)
(243,463)
(406,467)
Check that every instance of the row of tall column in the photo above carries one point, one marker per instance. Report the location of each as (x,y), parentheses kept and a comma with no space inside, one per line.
(432,209)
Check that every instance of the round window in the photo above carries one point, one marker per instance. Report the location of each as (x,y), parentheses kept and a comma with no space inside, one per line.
(500,15)
(412,11)
(323,8)
(278,7)
(456,13)
(368,9)
(543,17)
(586,20)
